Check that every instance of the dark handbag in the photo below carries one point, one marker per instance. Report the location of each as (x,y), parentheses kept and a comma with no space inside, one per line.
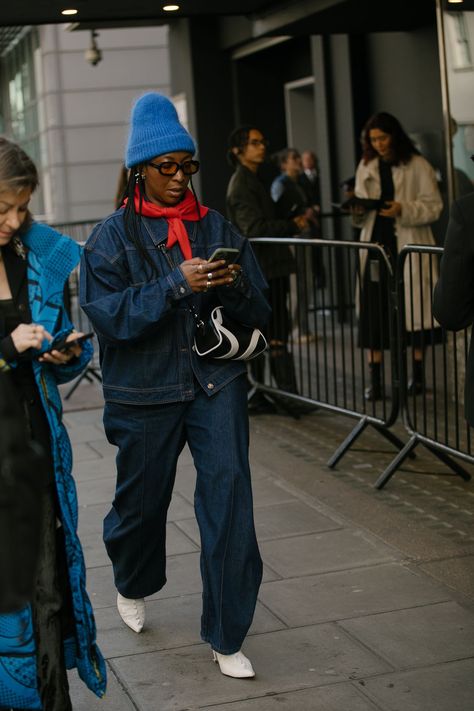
(224,338)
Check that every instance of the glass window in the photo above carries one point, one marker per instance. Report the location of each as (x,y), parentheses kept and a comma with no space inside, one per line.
(20,117)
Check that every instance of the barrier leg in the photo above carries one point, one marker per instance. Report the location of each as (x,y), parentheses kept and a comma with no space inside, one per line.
(399,459)
(393,439)
(87,375)
(342,449)
(446,459)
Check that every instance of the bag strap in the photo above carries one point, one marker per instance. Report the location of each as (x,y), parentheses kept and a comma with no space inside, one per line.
(190,306)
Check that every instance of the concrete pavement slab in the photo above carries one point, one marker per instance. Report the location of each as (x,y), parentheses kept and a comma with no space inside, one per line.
(84,453)
(444,687)
(104,448)
(324,552)
(185,480)
(183,578)
(458,572)
(420,636)
(286,660)
(277,521)
(266,492)
(179,508)
(115,699)
(341,697)
(348,594)
(170,623)
(292,518)
(84,433)
(91,518)
(97,468)
(76,418)
(96,491)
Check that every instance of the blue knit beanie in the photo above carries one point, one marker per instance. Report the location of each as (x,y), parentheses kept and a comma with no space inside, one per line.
(154,130)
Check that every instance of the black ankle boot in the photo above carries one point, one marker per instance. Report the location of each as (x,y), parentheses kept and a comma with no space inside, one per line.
(374,391)
(415,384)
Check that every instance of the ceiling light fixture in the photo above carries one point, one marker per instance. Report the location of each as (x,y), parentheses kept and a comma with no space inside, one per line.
(452,2)
(70,11)
(170,8)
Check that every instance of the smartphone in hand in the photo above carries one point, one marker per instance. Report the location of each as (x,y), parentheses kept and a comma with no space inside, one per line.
(64,345)
(229,254)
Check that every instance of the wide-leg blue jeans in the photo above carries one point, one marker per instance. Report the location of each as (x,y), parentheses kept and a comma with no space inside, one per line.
(150,439)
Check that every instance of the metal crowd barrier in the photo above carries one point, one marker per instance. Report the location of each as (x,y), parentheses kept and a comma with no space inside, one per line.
(315,311)
(433,409)
(357,291)
(81,322)
(78,231)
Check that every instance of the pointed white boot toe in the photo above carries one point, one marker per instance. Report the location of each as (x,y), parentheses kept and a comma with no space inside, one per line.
(132,612)
(236,665)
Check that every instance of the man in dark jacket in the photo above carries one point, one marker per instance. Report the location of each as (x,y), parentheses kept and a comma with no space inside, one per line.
(453,304)
(251,209)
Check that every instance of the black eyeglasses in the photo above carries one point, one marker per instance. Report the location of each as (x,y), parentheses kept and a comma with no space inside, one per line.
(170,167)
(258,142)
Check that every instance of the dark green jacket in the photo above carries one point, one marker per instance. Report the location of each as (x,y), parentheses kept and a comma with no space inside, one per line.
(251,209)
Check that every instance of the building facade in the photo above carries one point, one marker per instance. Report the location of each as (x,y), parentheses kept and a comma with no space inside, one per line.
(71,116)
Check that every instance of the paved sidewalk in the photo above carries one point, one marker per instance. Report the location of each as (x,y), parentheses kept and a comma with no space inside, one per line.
(344,622)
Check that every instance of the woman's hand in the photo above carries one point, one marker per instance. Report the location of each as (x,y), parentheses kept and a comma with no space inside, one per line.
(29,335)
(394,209)
(202,275)
(64,356)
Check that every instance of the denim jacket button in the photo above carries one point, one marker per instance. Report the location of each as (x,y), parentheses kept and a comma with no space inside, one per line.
(210,386)
(182,289)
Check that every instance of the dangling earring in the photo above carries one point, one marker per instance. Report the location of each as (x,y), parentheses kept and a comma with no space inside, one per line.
(137,176)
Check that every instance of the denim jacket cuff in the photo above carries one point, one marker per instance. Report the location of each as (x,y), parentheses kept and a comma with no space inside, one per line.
(180,288)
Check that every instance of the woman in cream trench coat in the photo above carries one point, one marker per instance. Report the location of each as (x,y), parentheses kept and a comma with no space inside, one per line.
(416,204)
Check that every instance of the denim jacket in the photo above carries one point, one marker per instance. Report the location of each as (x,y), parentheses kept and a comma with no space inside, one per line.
(144,319)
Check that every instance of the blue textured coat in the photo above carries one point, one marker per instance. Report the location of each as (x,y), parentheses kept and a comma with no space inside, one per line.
(51,258)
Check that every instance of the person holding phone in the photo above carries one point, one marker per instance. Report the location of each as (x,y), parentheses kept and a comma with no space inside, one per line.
(147,270)
(393,171)
(35,262)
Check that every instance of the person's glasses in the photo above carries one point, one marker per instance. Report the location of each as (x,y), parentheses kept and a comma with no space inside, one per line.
(170,167)
(258,142)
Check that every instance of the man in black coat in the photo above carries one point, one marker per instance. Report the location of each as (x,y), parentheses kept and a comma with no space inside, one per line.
(453,304)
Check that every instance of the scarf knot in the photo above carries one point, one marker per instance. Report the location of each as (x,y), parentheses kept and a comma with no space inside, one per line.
(188,209)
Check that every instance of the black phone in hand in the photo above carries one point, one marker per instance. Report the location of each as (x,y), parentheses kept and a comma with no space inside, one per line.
(64,345)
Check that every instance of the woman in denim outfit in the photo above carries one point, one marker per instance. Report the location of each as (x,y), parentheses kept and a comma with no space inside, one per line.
(144,272)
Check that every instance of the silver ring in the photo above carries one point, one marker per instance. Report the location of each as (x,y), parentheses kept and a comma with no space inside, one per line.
(208,285)
(209,275)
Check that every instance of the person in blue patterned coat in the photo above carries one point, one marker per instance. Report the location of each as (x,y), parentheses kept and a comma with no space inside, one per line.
(54,630)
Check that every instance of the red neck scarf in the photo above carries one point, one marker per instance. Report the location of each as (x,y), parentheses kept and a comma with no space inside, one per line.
(187,209)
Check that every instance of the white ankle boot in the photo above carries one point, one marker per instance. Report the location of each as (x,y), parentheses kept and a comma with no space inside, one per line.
(236,665)
(132,612)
